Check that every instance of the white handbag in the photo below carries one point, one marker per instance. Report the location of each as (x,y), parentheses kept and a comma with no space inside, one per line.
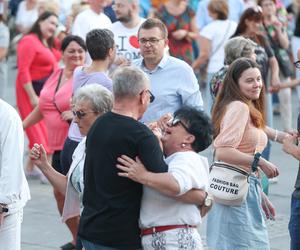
(228,184)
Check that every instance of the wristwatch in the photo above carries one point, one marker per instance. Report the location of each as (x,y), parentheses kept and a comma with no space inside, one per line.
(208,200)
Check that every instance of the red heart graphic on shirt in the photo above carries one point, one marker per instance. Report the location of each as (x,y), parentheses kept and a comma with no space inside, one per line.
(133,40)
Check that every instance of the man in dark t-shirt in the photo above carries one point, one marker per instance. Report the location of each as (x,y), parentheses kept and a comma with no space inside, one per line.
(290,146)
(112,203)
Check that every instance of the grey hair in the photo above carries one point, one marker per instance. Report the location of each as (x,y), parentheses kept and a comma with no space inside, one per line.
(238,47)
(129,82)
(101,98)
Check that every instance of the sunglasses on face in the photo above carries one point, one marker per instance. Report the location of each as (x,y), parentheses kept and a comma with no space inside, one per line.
(152,97)
(81,114)
(177,121)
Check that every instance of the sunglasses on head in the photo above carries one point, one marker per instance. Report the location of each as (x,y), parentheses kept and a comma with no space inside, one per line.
(81,114)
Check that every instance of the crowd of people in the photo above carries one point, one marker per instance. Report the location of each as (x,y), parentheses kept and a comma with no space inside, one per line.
(108,94)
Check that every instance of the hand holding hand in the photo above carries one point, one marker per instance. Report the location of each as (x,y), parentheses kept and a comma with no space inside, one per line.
(39,156)
(289,143)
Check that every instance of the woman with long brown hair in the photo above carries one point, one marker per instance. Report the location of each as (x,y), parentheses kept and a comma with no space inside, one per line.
(240,132)
(251,26)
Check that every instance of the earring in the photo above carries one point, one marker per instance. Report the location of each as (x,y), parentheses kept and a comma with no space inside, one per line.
(183,145)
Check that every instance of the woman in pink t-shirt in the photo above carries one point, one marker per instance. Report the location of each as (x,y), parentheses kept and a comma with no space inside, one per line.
(54,108)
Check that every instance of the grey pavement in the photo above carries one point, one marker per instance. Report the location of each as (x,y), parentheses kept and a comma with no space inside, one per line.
(43,229)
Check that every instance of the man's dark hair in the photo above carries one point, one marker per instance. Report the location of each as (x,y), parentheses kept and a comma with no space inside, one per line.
(71,38)
(98,43)
(151,23)
(199,125)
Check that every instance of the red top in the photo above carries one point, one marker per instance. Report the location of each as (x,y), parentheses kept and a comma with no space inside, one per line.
(35,60)
(51,105)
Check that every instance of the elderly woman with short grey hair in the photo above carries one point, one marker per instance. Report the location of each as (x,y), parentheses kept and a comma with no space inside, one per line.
(89,103)
(235,48)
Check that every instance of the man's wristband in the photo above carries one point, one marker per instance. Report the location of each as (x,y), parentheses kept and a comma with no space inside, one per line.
(255,161)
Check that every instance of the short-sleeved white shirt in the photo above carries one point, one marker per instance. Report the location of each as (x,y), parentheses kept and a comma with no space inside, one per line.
(190,171)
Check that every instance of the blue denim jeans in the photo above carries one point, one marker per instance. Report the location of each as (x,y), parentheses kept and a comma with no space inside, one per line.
(92,246)
(294,224)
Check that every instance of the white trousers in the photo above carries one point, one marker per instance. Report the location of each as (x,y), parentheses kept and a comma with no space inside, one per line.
(10,231)
(175,239)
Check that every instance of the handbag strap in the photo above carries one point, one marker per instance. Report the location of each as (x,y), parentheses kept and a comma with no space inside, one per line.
(56,89)
(223,40)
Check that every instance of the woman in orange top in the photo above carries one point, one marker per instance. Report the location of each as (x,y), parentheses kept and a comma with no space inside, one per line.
(240,132)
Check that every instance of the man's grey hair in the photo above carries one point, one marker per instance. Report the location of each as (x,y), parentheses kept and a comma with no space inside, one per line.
(238,47)
(129,82)
(100,98)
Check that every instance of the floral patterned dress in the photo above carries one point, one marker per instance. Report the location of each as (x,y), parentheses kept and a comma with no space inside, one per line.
(181,49)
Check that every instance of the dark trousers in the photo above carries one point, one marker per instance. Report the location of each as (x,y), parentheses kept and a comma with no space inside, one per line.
(92,246)
(294,224)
